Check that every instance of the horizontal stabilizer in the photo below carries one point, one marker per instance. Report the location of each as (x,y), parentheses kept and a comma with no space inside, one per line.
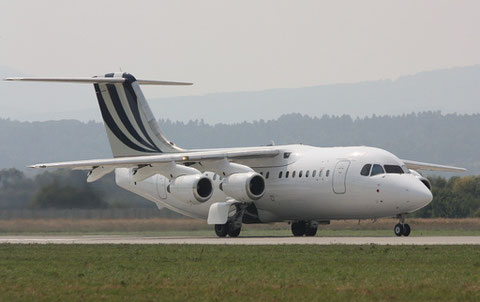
(97,80)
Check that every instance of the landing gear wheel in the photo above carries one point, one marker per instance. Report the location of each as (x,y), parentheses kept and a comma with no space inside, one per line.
(406,230)
(298,228)
(221,230)
(398,229)
(234,232)
(310,231)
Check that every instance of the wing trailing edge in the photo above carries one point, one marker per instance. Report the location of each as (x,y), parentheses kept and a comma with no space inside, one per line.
(183,157)
(416,165)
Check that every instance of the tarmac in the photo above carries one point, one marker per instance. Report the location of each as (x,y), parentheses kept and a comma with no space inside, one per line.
(129,239)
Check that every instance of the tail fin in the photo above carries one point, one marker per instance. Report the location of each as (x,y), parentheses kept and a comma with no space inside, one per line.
(131,127)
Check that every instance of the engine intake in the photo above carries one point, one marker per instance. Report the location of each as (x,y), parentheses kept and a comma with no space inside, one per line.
(192,188)
(248,186)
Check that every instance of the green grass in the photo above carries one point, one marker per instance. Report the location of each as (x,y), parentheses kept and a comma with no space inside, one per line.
(238,273)
(195,227)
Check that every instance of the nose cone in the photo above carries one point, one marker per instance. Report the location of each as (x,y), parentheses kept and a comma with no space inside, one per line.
(420,195)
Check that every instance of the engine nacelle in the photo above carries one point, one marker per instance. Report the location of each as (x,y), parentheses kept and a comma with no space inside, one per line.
(249,186)
(422,178)
(194,188)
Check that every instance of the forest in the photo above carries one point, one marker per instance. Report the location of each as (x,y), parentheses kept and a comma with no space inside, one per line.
(449,139)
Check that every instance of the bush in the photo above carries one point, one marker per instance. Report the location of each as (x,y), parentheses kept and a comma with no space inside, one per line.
(57,196)
(459,197)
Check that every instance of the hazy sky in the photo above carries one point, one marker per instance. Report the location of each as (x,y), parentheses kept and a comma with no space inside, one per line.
(242,45)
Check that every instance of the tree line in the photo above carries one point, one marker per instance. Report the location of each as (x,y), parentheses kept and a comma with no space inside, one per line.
(64,189)
(451,139)
(456,197)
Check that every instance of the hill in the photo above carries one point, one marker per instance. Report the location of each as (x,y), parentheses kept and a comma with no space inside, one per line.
(454,90)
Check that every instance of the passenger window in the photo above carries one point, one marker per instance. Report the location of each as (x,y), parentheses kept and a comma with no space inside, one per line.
(393,169)
(306,173)
(268,174)
(366,170)
(293,174)
(314,172)
(280,174)
(300,173)
(215,176)
(286,174)
(328,172)
(377,169)
(320,173)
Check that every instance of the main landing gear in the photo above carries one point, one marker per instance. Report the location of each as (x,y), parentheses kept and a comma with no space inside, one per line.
(230,229)
(233,227)
(300,228)
(402,228)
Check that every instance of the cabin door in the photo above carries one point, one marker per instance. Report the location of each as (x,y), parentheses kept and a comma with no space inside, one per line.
(340,177)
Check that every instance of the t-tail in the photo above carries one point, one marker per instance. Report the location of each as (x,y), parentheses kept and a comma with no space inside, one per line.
(132,129)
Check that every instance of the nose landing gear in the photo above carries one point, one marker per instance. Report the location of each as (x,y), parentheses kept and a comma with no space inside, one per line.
(402,228)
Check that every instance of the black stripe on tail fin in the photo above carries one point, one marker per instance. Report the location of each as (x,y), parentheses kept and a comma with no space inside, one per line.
(131,127)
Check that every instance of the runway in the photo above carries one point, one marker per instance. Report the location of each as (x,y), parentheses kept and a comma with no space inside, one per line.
(126,239)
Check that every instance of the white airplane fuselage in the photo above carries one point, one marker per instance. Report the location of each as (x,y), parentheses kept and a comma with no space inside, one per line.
(301,184)
(307,183)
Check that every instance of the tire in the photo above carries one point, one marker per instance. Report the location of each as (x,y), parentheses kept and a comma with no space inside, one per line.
(310,232)
(406,230)
(234,232)
(298,228)
(221,230)
(398,229)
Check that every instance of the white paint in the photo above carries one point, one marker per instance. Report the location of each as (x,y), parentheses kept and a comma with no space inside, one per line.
(298,182)
(311,198)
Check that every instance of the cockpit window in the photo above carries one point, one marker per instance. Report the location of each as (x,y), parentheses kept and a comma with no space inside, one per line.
(377,169)
(393,169)
(405,169)
(366,170)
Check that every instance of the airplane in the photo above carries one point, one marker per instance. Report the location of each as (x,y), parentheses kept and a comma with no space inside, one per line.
(304,185)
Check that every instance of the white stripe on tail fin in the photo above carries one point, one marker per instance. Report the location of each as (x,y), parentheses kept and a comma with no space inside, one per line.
(131,127)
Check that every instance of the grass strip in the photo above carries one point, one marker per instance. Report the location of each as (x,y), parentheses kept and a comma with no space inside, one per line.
(238,273)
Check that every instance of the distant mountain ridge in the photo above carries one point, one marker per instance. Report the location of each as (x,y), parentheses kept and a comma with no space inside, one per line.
(450,139)
(454,90)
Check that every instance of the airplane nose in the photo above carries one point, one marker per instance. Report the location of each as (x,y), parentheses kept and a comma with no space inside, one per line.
(420,194)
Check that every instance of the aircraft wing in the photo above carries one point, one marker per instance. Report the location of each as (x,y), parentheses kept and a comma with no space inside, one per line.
(182,157)
(416,165)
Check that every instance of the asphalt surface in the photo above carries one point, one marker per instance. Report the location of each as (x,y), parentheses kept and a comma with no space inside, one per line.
(125,239)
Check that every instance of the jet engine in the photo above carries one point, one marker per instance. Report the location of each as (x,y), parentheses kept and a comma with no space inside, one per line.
(194,188)
(249,186)
(422,178)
